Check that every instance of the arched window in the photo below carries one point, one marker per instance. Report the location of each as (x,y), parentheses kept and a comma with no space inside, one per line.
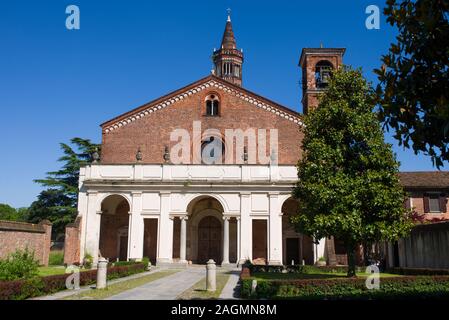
(212,105)
(323,70)
(212,151)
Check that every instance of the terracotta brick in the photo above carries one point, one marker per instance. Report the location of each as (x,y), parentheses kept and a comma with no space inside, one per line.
(152,132)
(20,235)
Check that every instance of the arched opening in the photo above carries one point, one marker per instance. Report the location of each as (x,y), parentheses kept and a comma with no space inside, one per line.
(205,238)
(297,248)
(323,71)
(114,228)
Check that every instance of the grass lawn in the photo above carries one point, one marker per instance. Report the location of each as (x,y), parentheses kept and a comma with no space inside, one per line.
(198,290)
(117,288)
(317,275)
(51,270)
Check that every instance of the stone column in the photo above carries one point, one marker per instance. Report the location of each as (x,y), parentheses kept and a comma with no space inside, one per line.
(102,273)
(211,276)
(238,239)
(319,249)
(136,228)
(275,231)
(183,238)
(92,232)
(246,228)
(225,241)
(165,238)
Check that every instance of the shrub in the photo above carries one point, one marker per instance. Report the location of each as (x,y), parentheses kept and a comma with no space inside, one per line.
(349,288)
(56,258)
(19,265)
(146,261)
(124,263)
(419,271)
(245,273)
(23,289)
(88,261)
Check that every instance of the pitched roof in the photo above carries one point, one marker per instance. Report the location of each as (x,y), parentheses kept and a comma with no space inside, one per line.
(425,179)
(210,81)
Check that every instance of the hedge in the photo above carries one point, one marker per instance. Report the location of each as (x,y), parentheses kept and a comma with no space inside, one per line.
(38,286)
(424,287)
(419,271)
(299,268)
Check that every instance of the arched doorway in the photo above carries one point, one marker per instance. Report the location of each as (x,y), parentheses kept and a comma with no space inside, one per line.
(297,248)
(114,228)
(209,239)
(205,237)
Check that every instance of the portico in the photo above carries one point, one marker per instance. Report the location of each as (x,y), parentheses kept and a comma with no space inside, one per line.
(134,210)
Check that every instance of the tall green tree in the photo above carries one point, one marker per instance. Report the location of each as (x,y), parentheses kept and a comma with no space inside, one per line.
(348,177)
(414,78)
(58,203)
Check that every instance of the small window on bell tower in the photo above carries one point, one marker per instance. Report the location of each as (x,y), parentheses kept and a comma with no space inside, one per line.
(212,105)
(323,71)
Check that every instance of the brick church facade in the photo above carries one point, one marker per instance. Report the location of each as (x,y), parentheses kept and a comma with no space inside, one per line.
(205,172)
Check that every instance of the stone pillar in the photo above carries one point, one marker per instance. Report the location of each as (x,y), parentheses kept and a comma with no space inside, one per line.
(275,231)
(246,229)
(330,251)
(183,248)
(136,228)
(92,232)
(46,242)
(165,241)
(225,241)
(238,239)
(211,276)
(102,273)
(319,249)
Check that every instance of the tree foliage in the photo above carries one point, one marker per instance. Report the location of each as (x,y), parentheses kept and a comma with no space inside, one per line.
(9,213)
(58,203)
(414,79)
(348,176)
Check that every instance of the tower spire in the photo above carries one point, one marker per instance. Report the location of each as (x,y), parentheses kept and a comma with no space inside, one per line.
(228,59)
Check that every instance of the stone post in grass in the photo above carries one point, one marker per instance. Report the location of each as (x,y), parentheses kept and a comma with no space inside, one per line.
(211,276)
(102,273)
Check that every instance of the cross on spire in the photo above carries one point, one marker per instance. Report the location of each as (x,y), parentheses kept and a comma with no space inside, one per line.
(229,14)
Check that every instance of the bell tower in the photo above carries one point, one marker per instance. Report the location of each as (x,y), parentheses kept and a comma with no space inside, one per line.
(228,59)
(317,65)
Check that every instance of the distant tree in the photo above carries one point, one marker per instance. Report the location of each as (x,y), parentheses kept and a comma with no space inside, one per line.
(348,184)
(59,202)
(55,206)
(9,213)
(414,78)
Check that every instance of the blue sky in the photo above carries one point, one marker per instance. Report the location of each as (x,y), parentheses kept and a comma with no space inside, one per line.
(56,84)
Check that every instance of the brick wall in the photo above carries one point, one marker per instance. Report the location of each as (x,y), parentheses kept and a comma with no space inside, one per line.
(417,203)
(72,242)
(152,132)
(21,235)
